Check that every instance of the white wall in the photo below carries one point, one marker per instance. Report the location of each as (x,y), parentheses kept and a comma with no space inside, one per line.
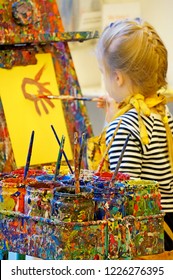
(160,14)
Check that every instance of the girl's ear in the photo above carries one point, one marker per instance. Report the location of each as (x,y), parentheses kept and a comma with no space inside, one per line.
(119,78)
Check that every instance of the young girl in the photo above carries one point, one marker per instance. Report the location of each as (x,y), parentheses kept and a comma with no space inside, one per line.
(133,61)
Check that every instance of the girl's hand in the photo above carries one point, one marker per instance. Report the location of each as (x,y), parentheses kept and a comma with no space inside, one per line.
(110,106)
(102,102)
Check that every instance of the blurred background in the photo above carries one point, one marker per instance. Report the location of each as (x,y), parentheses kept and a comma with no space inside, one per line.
(80,15)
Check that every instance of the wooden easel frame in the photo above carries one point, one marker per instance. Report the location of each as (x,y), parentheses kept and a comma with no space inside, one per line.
(43,33)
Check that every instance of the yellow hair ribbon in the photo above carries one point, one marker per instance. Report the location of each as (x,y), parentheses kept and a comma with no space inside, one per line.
(154,100)
(143,131)
(165,119)
(143,105)
(137,101)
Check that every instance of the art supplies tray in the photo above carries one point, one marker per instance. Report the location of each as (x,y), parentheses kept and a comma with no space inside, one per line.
(107,239)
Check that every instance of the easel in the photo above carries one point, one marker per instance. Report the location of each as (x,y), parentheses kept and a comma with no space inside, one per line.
(40,30)
(28,28)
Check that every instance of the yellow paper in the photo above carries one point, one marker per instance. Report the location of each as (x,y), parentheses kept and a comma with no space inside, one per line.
(18,86)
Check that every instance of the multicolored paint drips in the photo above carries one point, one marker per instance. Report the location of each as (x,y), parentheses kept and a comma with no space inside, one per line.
(38,198)
(112,239)
(31,27)
(68,206)
(135,236)
(109,202)
(7,161)
(142,198)
(63,220)
(12,193)
(36,21)
(52,240)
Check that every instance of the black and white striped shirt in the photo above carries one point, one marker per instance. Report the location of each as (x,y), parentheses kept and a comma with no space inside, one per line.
(149,162)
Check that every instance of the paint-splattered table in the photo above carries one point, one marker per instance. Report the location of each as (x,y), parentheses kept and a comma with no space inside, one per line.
(113,239)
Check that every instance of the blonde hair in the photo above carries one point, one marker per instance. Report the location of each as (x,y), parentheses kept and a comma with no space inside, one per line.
(134,47)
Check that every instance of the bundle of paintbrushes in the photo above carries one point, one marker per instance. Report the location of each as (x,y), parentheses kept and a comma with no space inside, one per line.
(63,152)
(72,202)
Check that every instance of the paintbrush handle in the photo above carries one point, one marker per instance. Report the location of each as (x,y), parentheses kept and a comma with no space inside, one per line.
(81,151)
(76,165)
(64,154)
(119,162)
(58,163)
(29,155)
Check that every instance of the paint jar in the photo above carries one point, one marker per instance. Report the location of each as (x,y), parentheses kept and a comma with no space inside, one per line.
(12,193)
(70,207)
(38,198)
(142,197)
(109,201)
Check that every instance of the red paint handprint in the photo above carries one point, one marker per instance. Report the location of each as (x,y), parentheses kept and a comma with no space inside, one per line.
(40,89)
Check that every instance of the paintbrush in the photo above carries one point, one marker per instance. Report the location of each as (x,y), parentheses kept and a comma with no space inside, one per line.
(119,162)
(81,150)
(76,165)
(69,98)
(58,163)
(108,147)
(64,154)
(29,156)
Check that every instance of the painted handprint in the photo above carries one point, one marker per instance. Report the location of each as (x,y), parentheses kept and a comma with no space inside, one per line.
(38,89)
